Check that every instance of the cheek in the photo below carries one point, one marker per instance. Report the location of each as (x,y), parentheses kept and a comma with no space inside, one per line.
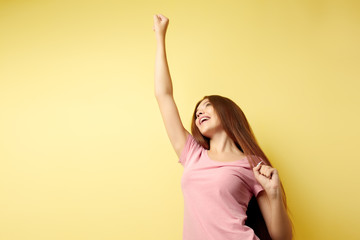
(197,123)
(217,121)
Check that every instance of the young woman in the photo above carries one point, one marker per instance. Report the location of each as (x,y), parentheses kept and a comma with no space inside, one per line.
(225,171)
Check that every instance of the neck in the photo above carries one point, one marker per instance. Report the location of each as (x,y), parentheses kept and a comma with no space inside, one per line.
(222,143)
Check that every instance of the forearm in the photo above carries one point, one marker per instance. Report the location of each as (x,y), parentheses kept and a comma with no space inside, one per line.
(280,228)
(163,84)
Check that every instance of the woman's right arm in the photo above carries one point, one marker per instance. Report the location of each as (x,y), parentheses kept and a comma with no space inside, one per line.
(164,91)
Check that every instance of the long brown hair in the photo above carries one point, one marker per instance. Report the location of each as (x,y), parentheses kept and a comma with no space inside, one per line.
(237,127)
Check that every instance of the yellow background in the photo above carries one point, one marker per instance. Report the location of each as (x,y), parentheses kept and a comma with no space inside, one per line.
(83,150)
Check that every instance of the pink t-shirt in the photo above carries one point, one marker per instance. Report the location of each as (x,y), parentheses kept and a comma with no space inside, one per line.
(216,195)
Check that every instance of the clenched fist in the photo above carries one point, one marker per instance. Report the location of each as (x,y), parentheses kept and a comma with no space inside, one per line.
(160,25)
(268,177)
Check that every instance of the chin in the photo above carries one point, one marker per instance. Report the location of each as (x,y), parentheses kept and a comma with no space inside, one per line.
(206,134)
(209,132)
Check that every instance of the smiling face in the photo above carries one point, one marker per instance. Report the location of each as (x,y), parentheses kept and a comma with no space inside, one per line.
(207,120)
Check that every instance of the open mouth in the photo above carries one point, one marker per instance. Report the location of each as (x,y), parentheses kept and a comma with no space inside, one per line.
(203,119)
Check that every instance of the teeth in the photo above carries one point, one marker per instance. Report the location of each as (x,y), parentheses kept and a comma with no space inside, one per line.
(203,119)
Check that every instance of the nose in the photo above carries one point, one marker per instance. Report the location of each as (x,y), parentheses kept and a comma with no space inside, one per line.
(199,112)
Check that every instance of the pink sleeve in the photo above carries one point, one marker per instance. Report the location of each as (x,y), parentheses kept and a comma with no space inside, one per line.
(190,148)
(257,188)
(253,185)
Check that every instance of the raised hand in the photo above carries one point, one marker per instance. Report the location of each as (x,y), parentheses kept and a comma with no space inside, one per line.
(269,179)
(160,25)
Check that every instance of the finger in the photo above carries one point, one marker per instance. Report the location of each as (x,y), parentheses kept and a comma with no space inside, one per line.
(257,167)
(262,169)
(156,18)
(260,177)
(275,175)
(163,19)
(265,171)
(268,172)
(256,171)
(161,16)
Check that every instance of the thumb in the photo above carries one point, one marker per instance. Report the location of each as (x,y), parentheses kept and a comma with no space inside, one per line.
(160,16)
(156,18)
(256,169)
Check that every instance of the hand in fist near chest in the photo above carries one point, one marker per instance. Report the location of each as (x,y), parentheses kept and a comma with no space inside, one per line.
(269,179)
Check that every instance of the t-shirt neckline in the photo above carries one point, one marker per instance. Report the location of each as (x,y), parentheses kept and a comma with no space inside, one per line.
(207,156)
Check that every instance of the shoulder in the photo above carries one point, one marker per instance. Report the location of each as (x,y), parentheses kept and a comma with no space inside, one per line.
(192,148)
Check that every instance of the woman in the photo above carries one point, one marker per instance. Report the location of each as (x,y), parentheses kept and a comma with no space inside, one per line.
(224,167)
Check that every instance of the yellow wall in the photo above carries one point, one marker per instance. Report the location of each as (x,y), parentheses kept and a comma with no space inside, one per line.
(83,151)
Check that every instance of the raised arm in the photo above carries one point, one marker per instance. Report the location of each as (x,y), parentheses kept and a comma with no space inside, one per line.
(164,90)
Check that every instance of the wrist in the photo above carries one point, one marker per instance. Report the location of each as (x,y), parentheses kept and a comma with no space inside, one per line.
(275,194)
(160,38)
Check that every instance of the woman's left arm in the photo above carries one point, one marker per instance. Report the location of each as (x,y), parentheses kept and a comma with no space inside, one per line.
(271,203)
